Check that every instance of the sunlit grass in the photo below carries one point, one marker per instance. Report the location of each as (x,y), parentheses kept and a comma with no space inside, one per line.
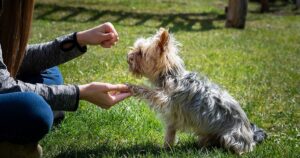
(258,65)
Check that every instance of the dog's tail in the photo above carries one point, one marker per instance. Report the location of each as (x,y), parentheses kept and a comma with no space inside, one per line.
(259,134)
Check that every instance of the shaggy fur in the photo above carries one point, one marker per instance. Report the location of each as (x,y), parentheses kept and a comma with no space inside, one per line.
(187,101)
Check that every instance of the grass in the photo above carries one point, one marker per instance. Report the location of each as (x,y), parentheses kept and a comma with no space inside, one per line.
(259,66)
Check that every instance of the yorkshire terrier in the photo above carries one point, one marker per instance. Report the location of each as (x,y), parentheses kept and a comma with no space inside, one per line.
(187,101)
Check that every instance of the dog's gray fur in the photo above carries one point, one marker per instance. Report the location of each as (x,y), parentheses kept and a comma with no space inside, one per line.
(187,101)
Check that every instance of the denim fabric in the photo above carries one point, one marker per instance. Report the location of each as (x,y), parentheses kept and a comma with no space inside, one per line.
(51,76)
(26,117)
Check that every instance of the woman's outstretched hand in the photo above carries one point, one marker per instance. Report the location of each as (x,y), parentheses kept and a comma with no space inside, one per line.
(104,95)
(104,35)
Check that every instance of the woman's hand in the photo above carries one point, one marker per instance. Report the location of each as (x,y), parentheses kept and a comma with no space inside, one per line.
(104,34)
(104,95)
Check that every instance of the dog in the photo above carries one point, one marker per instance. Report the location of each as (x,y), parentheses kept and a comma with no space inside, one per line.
(187,101)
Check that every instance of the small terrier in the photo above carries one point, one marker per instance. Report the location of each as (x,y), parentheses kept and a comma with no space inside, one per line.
(187,101)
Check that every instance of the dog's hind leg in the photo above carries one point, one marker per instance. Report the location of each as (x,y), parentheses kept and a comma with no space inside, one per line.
(237,142)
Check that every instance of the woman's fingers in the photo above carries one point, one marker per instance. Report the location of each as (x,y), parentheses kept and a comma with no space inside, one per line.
(107,44)
(114,98)
(110,28)
(106,37)
(117,87)
(119,97)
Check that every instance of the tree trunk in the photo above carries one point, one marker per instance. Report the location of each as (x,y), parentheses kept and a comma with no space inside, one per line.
(264,6)
(236,13)
(298,4)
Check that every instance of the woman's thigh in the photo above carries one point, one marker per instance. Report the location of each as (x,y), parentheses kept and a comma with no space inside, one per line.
(25,117)
(51,76)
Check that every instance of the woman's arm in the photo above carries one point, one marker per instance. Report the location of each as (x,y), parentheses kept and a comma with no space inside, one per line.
(39,57)
(60,97)
(66,97)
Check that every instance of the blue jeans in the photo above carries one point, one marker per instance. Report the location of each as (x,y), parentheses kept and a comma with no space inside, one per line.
(26,117)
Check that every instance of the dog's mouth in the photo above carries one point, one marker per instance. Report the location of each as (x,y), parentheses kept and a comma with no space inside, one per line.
(130,63)
(132,67)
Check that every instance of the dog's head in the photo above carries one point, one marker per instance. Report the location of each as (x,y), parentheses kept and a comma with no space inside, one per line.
(154,56)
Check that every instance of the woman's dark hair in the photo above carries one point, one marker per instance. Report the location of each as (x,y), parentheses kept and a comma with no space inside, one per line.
(15,23)
(1,5)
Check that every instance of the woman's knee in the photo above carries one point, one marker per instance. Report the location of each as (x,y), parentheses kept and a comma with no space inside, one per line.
(38,108)
(39,113)
(33,116)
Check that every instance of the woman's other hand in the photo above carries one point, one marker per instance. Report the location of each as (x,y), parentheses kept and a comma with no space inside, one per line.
(104,35)
(104,95)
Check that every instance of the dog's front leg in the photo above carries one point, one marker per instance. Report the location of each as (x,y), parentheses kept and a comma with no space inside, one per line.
(157,98)
(170,136)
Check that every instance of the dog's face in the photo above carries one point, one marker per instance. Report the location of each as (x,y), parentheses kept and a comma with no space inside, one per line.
(152,56)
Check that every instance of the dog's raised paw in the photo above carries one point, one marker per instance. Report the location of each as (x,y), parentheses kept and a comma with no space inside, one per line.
(134,89)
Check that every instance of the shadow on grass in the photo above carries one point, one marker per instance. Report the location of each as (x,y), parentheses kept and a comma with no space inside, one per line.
(279,8)
(136,150)
(178,21)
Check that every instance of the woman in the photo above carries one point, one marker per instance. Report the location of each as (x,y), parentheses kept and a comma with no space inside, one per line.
(31,84)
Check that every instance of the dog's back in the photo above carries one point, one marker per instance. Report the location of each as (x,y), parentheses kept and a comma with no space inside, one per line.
(207,109)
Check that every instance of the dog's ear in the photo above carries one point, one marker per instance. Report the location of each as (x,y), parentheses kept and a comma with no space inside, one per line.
(163,40)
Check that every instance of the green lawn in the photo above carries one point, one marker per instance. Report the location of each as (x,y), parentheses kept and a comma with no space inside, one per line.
(259,66)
